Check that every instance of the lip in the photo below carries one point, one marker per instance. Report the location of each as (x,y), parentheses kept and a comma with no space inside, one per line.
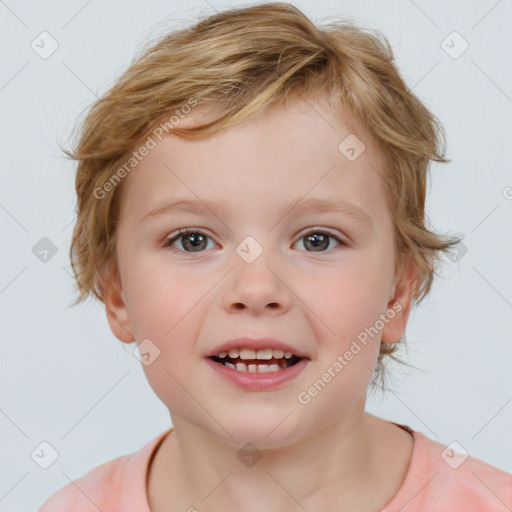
(256,344)
(258,381)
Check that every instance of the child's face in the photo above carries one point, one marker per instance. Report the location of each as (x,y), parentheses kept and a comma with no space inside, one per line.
(191,297)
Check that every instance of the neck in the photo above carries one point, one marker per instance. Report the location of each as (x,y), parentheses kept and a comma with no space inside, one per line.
(342,464)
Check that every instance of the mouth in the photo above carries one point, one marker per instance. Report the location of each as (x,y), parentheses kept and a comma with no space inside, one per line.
(258,370)
(256,361)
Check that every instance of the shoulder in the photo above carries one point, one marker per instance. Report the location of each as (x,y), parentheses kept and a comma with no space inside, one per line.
(472,481)
(119,484)
(446,478)
(93,491)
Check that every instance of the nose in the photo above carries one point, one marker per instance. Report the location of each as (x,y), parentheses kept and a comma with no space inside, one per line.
(257,288)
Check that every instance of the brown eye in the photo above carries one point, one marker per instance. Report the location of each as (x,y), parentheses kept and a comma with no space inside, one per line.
(190,240)
(319,241)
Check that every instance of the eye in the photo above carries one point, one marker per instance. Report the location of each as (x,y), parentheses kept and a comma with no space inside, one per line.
(193,240)
(319,240)
(190,239)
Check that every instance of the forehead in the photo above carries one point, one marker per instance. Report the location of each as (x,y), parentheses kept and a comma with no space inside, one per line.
(302,149)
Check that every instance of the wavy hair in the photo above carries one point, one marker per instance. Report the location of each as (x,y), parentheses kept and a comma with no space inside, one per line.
(241,62)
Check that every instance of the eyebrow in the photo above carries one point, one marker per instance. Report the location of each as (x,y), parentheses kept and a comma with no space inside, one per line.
(298,205)
(318,205)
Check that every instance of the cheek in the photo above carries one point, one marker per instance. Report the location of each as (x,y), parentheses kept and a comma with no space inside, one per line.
(346,300)
(158,298)
(167,312)
(166,315)
(165,306)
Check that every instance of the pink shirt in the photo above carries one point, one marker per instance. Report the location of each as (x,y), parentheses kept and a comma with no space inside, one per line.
(431,484)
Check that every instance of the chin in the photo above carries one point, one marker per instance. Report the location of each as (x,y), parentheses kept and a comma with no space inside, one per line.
(263,432)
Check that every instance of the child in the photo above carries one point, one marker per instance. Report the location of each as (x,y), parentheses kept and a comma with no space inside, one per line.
(251,212)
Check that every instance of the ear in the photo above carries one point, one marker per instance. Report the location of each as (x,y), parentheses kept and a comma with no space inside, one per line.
(401,303)
(115,306)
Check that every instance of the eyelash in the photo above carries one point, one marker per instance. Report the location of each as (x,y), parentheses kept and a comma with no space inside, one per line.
(187,231)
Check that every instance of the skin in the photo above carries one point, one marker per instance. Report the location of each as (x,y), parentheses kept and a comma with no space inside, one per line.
(328,454)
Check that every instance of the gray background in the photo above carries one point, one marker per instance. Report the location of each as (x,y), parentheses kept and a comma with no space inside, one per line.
(68,381)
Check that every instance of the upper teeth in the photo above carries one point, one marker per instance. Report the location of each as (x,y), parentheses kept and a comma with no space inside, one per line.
(247,353)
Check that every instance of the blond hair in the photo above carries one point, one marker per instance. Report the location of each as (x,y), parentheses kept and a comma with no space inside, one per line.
(243,61)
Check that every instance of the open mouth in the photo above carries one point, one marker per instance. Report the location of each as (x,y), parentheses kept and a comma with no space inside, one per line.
(259,361)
